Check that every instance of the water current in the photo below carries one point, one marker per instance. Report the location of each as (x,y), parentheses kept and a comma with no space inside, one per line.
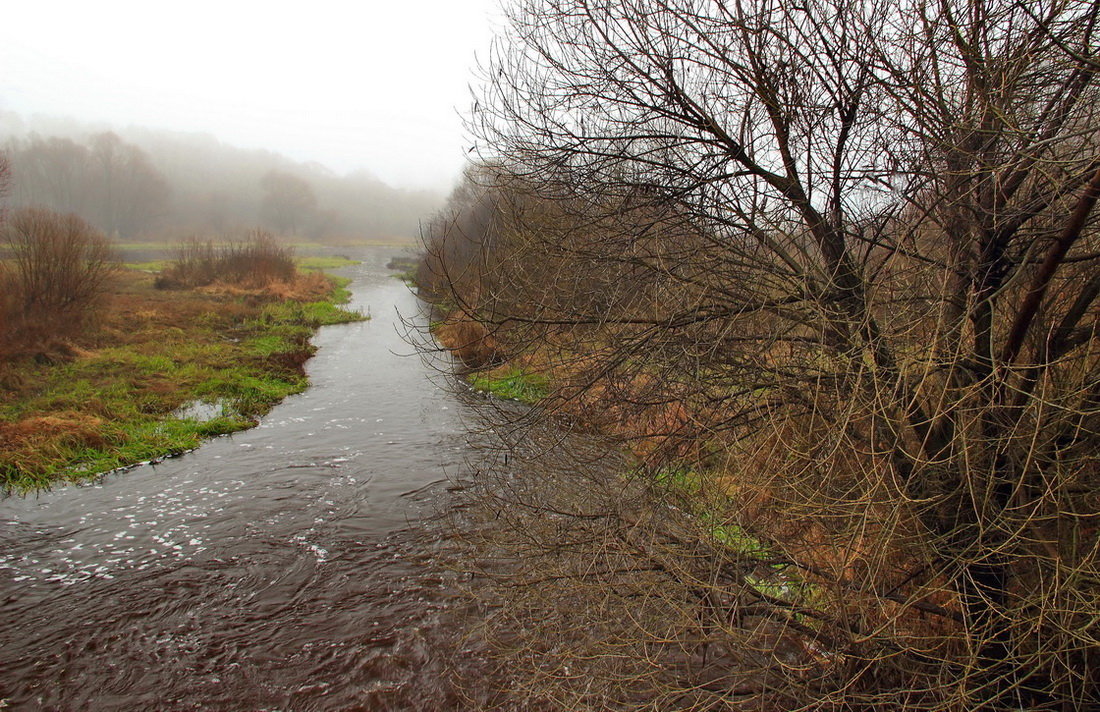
(277,569)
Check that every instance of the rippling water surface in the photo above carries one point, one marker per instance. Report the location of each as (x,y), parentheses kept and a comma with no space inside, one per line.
(277,569)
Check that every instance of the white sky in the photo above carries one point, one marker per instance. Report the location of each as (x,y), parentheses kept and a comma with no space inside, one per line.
(371,84)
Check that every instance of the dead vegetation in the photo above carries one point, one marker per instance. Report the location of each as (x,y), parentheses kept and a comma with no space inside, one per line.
(54,281)
(829,334)
(255,262)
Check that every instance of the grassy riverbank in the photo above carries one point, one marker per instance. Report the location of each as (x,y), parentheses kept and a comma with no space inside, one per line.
(159,372)
(309,263)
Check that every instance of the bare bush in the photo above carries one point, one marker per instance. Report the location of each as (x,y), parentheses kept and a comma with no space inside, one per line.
(257,261)
(57,272)
(458,241)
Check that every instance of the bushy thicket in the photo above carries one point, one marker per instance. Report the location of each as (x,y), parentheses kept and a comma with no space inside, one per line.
(820,281)
(256,261)
(53,278)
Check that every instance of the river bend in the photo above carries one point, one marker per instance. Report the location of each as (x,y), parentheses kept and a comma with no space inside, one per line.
(276,569)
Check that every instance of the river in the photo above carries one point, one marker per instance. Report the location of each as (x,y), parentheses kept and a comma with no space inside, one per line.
(282,568)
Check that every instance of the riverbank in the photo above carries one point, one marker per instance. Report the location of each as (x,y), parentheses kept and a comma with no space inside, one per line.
(313,522)
(160,371)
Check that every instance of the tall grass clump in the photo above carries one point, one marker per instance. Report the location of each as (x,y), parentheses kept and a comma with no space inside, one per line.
(256,261)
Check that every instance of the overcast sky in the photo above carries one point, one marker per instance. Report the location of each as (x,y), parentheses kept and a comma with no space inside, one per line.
(371,84)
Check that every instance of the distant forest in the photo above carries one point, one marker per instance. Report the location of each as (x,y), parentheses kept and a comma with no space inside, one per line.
(155,185)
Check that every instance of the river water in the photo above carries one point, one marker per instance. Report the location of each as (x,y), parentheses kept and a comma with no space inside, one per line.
(282,568)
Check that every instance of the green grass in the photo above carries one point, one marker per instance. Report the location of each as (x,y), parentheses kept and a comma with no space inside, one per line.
(340,292)
(116,406)
(733,537)
(310,314)
(682,480)
(270,344)
(513,384)
(249,394)
(126,444)
(775,577)
(153,266)
(315,263)
(139,442)
(406,267)
(130,398)
(306,263)
(124,246)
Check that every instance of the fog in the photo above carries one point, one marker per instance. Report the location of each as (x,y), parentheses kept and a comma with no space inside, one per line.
(154,184)
(374,86)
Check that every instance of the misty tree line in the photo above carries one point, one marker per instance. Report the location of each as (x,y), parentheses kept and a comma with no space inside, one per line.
(159,185)
(108,182)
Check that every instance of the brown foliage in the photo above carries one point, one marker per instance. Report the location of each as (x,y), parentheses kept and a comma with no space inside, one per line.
(849,251)
(55,279)
(469,340)
(255,262)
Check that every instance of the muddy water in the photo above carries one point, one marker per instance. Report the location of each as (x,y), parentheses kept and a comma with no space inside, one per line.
(277,569)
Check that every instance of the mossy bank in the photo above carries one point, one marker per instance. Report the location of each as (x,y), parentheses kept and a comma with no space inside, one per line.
(160,372)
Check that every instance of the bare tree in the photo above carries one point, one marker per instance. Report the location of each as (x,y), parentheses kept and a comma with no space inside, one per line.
(289,202)
(112,184)
(838,261)
(52,172)
(5,177)
(130,193)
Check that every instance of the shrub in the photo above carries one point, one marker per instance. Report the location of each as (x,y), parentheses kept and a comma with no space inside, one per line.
(55,276)
(194,264)
(256,262)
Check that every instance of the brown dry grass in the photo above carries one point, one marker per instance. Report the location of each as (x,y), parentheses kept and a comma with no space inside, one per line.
(254,262)
(910,604)
(468,340)
(303,287)
(67,426)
